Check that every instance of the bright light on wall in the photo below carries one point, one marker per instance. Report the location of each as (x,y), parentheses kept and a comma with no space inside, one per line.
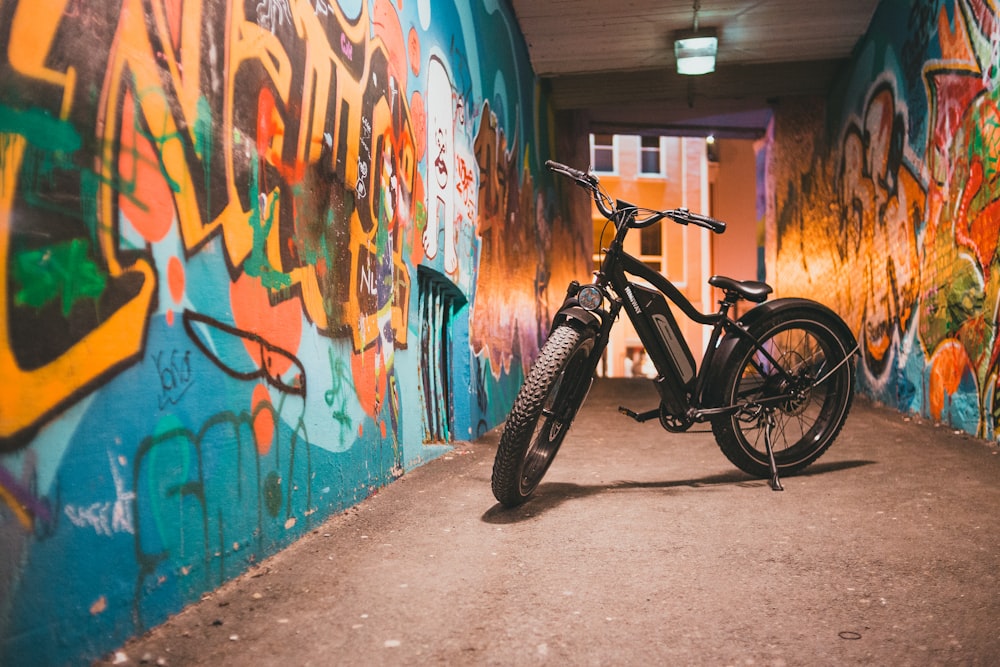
(696,53)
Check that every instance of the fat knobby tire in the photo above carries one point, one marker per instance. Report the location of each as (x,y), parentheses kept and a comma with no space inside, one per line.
(558,370)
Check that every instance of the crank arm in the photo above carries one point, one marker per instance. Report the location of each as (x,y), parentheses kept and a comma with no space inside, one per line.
(639,416)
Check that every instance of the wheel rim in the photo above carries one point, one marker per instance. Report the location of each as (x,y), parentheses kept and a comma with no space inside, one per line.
(804,417)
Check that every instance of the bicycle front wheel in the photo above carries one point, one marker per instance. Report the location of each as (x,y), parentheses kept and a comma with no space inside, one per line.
(542,413)
(801,377)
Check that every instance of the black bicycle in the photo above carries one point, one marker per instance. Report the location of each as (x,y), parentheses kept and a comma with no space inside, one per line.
(776,384)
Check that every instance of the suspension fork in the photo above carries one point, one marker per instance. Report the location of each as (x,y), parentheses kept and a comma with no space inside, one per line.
(601,331)
(601,338)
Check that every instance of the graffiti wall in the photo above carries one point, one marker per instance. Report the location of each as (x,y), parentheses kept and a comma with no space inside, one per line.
(257,259)
(890,211)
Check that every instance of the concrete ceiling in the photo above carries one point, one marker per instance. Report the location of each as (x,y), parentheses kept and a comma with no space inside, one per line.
(615,61)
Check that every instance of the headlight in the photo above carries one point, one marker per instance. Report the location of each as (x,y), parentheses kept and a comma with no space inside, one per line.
(590,297)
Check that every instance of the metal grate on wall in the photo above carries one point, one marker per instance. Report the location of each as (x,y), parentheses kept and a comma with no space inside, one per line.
(439,300)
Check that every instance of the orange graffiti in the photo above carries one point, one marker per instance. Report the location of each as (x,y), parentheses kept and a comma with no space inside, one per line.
(911,254)
(947,367)
(385,20)
(262,419)
(279,324)
(413,45)
(982,227)
(175,279)
(519,261)
(880,192)
(418,115)
(152,212)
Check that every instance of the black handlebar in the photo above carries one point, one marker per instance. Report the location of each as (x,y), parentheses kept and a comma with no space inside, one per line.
(590,182)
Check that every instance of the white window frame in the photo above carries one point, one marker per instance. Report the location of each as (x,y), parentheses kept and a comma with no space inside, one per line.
(662,173)
(614,155)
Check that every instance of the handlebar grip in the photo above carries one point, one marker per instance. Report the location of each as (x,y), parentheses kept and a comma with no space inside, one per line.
(569,171)
(587,181)
(717,226)
(684,216)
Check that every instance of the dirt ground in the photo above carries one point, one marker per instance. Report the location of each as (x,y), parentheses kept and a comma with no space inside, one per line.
(640,547)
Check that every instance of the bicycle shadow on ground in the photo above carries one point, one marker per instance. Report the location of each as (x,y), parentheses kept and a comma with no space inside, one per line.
(550,495)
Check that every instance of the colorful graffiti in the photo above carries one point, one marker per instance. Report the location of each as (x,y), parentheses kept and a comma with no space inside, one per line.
(213,336)
(896,221)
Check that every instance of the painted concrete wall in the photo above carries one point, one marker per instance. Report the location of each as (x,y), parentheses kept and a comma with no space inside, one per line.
(890,210)
(257,259)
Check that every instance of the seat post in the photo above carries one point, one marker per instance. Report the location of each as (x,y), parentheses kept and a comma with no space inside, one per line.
(728,302)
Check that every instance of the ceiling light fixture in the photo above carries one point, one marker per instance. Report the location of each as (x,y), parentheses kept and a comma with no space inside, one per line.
(696,54)
(695,49)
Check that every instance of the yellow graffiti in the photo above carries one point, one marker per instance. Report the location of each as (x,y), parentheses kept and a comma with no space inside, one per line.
(14,506)
(31,39)
(134,62)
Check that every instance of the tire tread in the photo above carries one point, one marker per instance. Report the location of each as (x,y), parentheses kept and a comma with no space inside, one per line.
(520,424)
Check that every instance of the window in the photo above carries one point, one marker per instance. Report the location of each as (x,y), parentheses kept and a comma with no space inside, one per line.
(651,240)
(651,157)
(651,247)
(603,150)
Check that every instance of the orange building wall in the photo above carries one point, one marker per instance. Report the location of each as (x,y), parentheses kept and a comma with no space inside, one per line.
(734,200)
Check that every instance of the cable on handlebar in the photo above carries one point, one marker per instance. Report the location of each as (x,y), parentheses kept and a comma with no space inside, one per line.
(653,217)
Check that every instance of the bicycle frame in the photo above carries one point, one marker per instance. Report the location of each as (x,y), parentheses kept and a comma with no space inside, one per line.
(677,394)
(681,397)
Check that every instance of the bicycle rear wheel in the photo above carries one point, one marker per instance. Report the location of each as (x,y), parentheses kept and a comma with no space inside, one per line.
(817,387)
(543,411)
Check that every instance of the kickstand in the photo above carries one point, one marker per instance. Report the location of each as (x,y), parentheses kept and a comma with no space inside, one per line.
(768,418)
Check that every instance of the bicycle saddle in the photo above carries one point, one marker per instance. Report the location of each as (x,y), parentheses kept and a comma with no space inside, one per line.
(751,290)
